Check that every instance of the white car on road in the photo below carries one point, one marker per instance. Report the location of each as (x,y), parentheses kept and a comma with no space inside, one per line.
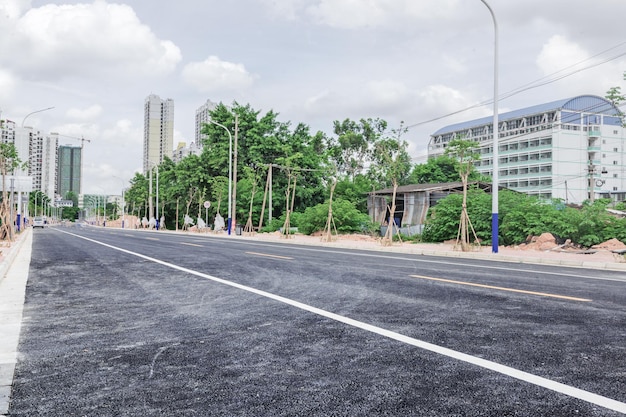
(38,221)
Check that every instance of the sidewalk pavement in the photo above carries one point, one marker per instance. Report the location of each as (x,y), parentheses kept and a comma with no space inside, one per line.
(15,262)
(13,276)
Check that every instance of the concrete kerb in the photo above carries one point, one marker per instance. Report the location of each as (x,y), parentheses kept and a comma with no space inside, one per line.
(14,249)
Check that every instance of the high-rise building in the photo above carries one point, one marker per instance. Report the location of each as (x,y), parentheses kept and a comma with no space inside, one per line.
(42,165)
(69,170)
(572,149)
(202,118)
(158,136)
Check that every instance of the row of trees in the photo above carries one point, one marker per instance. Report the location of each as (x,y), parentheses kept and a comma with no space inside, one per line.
(360,157)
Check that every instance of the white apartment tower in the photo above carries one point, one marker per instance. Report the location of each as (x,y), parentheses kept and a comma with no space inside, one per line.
(43,158)
(158,136)
(38,150)
(202,118)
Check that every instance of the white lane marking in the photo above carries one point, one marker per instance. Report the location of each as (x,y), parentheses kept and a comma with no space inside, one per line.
(493,287)
(570,391)
(267,255)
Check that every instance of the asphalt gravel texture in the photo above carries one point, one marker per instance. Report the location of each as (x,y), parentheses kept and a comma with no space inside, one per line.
(109,333)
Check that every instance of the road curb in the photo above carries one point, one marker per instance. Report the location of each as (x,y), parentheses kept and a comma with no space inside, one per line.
(14,249)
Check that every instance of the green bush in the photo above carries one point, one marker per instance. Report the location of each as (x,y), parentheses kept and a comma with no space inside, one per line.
(347,218)
(521,216)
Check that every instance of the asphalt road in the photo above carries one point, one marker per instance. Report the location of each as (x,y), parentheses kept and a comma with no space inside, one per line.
(130,323)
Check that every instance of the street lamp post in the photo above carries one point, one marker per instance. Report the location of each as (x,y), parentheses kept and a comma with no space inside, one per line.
(157,191)
(230,174)
(496,137)
(36,111)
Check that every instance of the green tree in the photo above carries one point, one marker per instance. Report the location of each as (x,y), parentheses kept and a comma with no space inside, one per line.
(440,169)
(392,165)
(70,213)
(355,190)
(615,96)
(9,161)
(352,149)
(465,153)
(263,140)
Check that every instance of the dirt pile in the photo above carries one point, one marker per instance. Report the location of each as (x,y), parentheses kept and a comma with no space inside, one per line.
(544,242)
(547,242)
(611,244)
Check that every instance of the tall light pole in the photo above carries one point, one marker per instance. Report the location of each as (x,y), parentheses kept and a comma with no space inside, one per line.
(496,137)
(230,173)
(157,190)
(36,111)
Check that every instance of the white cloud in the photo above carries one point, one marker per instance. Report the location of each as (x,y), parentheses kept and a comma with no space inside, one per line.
(388,93)
(13,8)
(56,41)
(286,9)
(439,100)
(213,75)
(352,14)
(559,53)
(89,113)
(7,85)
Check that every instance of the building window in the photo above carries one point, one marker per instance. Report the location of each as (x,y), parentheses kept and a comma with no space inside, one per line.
(615,150)
(614,162)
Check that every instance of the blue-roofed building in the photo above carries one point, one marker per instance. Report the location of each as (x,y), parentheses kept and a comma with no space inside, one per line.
(572,149)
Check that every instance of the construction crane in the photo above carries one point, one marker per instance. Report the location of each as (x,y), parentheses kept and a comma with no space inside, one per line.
(81,139)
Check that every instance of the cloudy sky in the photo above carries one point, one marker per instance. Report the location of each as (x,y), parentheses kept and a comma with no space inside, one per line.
(312,61)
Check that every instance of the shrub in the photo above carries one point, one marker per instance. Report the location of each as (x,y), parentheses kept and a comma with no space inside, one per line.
(347,218)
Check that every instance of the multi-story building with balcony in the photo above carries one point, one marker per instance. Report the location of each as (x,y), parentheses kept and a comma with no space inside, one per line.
(572,149)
